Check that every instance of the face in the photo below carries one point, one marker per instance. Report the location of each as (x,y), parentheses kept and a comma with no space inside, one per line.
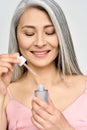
(37,38)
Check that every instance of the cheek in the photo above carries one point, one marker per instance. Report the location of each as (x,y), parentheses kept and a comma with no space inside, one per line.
(54,41)
(24,42)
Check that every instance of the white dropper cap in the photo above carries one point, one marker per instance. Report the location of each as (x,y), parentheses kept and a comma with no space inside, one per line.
(23,60)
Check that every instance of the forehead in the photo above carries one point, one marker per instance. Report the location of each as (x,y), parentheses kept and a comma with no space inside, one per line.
(35,14)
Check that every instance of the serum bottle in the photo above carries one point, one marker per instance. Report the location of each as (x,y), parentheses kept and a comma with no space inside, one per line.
(41,93)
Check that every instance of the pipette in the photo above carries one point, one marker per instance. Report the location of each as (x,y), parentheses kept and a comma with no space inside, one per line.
(41,92)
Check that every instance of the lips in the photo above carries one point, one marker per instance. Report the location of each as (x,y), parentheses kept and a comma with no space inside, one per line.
(40,53)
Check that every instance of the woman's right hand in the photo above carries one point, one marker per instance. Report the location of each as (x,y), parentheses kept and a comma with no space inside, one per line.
(7,62)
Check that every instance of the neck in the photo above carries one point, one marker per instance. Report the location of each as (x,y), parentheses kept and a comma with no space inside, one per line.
(47,76)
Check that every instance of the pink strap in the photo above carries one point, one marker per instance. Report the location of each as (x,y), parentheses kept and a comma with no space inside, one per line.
(9,93)
(86,88)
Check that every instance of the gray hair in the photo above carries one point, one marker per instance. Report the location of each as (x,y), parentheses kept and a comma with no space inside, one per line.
(66,60)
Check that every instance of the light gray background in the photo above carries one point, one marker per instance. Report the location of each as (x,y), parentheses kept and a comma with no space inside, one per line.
(76,14)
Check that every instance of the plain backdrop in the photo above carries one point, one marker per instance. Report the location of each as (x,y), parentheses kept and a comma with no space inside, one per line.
(76,14)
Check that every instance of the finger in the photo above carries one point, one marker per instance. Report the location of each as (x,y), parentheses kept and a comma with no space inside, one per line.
(48,107)
(8,61)
(37,117)
(38,120)
(40,112)
(42,118)
(5,66)
(3,70)
(9,58)
(2,87)
(10,55)
(37,124)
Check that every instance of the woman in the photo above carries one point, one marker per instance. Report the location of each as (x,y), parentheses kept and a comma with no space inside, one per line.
(40,33)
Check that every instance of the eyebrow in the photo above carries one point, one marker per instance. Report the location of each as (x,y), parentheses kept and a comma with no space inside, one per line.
(47,26)
(30,26)
(27,26)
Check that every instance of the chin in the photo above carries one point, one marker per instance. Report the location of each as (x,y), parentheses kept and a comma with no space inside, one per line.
(42,65)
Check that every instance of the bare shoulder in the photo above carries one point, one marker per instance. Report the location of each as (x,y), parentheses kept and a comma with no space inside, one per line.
(12,85)
(80,80)
(15,88)
(77,81)
(10,90)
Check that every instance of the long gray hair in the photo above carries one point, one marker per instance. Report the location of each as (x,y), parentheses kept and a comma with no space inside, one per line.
(66,60)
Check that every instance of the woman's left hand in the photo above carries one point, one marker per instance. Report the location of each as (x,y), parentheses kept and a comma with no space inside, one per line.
(46,116)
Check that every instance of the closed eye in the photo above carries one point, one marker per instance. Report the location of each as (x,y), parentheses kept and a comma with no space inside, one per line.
(49,30)
(29,34)
(50,33)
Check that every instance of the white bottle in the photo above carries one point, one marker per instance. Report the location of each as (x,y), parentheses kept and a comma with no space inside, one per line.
(41,93)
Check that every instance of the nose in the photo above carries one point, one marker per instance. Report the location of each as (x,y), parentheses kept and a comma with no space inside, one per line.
(40,40)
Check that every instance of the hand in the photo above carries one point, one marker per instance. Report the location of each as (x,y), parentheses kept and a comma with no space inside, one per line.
(7,62)
(46,116)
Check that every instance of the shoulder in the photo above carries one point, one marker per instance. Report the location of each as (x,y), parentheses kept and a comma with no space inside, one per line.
(15,85)
(9,93)
(77,82)
(12,92)
(76,79)
(80,80)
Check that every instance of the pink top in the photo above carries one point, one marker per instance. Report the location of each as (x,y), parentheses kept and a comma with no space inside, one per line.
(19,116)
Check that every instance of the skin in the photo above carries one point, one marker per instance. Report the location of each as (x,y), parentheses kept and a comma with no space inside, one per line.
(39,44)
(37,38)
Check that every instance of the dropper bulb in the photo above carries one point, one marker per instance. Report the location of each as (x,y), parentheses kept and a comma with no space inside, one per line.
(23,60)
